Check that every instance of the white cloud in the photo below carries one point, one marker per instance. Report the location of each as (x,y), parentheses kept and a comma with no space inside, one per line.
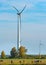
(9,17)
(38,14)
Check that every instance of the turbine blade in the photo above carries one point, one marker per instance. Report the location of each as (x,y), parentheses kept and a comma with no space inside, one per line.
(15,8)
(23,9)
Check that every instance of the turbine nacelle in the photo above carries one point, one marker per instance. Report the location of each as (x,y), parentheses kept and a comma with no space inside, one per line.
(18,13)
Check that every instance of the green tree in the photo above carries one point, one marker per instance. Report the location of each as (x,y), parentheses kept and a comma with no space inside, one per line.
(22,51)
(3,55)
(13,52)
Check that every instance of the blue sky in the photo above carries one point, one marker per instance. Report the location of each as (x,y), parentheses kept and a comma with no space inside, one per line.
(33,25)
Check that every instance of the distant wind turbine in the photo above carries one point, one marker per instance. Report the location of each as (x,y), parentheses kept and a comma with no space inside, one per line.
(40,44)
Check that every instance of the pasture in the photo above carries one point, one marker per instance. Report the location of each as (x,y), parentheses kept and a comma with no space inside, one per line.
(22,61)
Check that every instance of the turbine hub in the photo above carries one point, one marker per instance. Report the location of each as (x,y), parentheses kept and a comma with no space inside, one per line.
(18,13)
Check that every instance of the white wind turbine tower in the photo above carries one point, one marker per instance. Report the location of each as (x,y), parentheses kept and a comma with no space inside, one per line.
(19,26)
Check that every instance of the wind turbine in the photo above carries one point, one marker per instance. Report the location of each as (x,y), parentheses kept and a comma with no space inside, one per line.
(40,44)
(19,26)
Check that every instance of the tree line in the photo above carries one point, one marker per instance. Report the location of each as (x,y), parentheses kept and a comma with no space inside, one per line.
(21,53)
